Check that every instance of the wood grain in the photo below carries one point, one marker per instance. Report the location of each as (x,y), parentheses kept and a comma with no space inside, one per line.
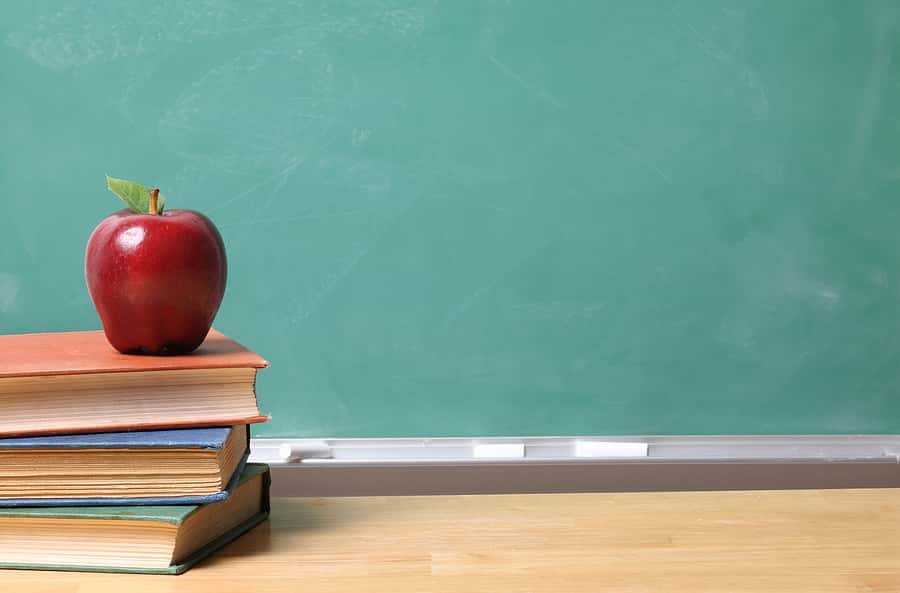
(817,541)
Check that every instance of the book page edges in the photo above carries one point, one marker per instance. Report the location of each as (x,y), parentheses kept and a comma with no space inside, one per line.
(138,426)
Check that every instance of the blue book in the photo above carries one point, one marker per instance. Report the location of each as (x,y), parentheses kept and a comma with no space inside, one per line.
(155,467)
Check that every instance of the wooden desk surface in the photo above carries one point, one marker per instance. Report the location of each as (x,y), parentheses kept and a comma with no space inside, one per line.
(821,541)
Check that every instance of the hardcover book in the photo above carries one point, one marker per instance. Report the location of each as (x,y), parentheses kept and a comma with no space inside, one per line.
(182,466)
(149,539)
(60,383)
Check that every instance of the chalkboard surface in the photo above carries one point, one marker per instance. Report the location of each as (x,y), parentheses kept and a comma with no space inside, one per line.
(489,217)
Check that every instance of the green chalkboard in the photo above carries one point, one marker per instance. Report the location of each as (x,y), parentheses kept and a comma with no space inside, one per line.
(489,217)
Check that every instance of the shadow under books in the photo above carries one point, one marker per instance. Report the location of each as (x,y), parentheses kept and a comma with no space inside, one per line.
(291,520)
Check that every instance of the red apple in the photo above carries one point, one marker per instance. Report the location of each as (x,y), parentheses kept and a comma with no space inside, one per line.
(156,280)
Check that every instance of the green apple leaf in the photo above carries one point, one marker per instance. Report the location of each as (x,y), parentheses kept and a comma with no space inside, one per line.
(135,195)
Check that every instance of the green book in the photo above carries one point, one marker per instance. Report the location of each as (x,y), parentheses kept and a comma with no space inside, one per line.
(138,539)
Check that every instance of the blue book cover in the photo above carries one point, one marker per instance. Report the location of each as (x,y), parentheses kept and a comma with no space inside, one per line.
(184,438)
(189,438)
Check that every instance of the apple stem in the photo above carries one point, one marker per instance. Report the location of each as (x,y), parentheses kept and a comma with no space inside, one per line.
(154,197)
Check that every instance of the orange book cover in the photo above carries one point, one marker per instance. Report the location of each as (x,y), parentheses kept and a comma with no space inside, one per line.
(88,352)
(75,353)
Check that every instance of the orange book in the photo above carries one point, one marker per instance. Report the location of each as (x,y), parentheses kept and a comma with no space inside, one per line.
(76,382)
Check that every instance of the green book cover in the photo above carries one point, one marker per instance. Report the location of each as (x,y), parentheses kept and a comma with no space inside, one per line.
(167,514)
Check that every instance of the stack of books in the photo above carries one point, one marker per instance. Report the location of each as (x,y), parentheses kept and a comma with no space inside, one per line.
(125,463)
